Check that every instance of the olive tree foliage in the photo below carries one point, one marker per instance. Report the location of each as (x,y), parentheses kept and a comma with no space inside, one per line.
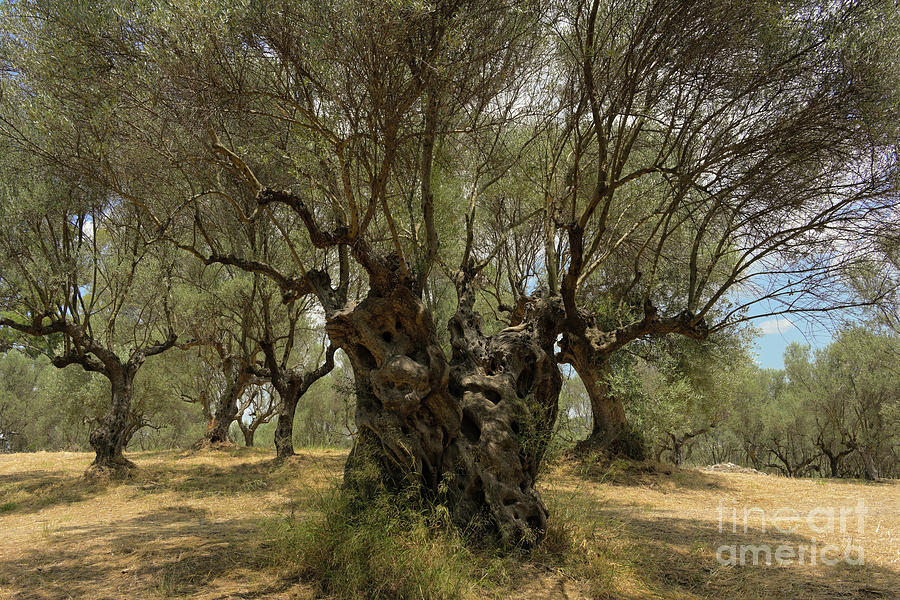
(715,162)
(850,392)
(676,391)
(159,420)
(682,163)
(831,412)
(327,419)
(44,408)
(19,376)
(74,273)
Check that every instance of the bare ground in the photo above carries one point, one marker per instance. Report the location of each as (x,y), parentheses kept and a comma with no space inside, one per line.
(187,525)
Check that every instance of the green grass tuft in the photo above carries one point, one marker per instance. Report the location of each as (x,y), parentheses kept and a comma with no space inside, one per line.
(385,549)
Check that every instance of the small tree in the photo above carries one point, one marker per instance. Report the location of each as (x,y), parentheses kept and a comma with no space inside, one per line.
(73,272)
(222,323)
(257,406)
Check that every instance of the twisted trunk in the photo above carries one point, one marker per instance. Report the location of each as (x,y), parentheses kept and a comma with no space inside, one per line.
(471,430)
(226,409)
(291,385)
(609,430)
(284,428)
(109,438)
(607,410)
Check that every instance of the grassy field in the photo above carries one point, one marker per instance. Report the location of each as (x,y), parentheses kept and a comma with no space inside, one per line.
(233,524)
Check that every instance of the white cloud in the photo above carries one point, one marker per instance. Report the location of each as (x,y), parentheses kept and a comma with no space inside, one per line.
(771,326)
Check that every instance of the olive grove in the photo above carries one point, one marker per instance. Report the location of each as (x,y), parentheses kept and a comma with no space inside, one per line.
(465,195)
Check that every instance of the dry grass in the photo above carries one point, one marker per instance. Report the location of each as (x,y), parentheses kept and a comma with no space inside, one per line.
(184,526)
(188,525)
(651,534)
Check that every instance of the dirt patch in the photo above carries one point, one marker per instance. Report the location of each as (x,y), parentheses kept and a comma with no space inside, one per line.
(730,468)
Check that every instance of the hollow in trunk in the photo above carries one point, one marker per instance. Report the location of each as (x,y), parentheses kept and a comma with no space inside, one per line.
(470,431)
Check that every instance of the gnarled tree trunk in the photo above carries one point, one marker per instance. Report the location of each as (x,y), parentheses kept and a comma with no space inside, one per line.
(284,428)
(249,434)
(609,431)
(226,408)
(108,438)
(479,424)
(607,410)
(291,385)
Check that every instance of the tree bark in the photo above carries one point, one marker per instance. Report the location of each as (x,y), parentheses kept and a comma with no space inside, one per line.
(607,410)
(226,409)
(609,431)
(677,451)
(249,434)
(869,464)
(108,439)
(834,462)
(471,431)
(291,385)
(284,428)
(834,458)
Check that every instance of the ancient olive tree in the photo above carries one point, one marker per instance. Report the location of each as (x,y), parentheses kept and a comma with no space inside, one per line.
(680,161)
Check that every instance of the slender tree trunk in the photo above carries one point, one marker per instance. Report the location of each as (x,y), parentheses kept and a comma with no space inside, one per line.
(291,385)
(108,439)
(226,410)
(473,429)
(677,451)
(834,461)
(657,454)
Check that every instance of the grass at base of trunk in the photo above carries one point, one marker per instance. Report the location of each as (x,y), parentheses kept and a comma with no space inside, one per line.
(382,550)
(397,548)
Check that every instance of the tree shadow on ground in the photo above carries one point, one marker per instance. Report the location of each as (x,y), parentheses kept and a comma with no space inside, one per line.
(174,551)
(201,480)
(629,473)
(30,492)
(678,556)
(33,491)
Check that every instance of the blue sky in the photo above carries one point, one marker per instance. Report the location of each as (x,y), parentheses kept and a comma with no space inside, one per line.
(778,332)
